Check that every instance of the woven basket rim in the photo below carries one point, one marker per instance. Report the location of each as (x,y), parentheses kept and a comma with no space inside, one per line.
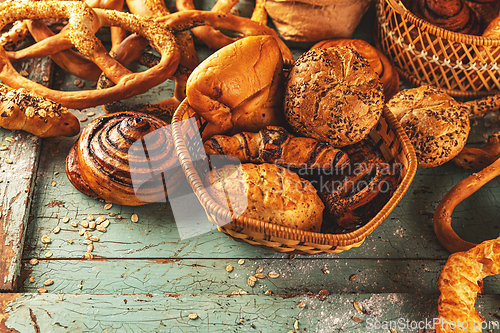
(438,31)
(271,229)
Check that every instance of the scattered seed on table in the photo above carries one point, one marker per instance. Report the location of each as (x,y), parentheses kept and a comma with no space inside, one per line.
(87,242)
(26,177)
(134,218)
(90,114)
(8,161)
(90,247)
(111,214)
(94,238)
(77,82)
(46,239)
(80,286)
(358,306)
(81,232)
(104,224)
(3,147)
(32,279)
(100,228)
(92,224)
(273,275)
(87,234)
(88,255)
(302,304)
(10,139)
(70,241)
(229,268)
(85,224)
(353,277)
(42,290)
(241,261)
(108,206)
(90,217)
(48,254)
(74,224)
(326,271)
(34,261)
(356,319)
(24,73)
(260,276)
(268,292)
(53,183)
(45,78)
(66,219)
(100,219)
(56,173)
(48,282)
(56,229)
(251,281)
(296,325)
(193,316)
(259,270)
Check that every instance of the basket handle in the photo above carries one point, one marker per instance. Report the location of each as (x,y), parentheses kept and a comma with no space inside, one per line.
(397,6)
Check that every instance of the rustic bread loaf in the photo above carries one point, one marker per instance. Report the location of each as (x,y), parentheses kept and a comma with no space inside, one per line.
(269,193)
(333,95)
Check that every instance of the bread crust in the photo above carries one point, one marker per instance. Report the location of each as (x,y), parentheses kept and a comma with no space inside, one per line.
(333,95)
(386,71)
(238,88)
(434,122)
(459,284)
(267,192)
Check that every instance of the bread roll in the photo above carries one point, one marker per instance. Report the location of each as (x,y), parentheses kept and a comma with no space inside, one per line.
(239,87)
(379,62)
(333,95)
(434,122)
(269,193)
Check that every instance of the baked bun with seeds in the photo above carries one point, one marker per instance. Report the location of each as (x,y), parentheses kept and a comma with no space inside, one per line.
(333,95)
(435,123)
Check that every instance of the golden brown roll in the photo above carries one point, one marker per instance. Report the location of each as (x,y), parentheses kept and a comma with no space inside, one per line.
(125,158)
(379,62)
(333,95)
(434,122)
(269,193)
(239,87)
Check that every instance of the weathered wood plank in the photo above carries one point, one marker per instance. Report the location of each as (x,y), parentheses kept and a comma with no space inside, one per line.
(203,275)
(18,169)
(219,313)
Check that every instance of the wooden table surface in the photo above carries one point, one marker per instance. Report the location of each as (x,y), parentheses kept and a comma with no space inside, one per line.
(144,277)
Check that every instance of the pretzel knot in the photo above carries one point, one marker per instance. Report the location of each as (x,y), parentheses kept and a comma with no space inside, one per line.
(80,33)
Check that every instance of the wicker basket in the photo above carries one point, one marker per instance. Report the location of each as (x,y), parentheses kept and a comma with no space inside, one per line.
(426,54)
(388,135)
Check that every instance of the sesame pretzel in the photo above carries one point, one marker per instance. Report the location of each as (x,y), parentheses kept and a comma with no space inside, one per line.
(83,23)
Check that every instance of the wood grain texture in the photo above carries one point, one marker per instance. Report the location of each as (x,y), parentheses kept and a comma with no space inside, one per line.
(18,170)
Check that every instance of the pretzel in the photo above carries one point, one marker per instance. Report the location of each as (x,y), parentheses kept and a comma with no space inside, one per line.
(479,158)
(192,18)
(459,282)
(83,22)
(249,27)
(465,188)
(131,50)
(16,34)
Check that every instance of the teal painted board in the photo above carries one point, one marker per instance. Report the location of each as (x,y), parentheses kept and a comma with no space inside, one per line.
(207,275)
(123,313)
(18,163)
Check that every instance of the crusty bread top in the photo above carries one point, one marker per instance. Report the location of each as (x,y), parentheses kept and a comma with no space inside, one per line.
(267,192)
(435,124)
(333,95)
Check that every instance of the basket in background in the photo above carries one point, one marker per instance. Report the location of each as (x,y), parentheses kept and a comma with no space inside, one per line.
(388,136)
(462,65)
